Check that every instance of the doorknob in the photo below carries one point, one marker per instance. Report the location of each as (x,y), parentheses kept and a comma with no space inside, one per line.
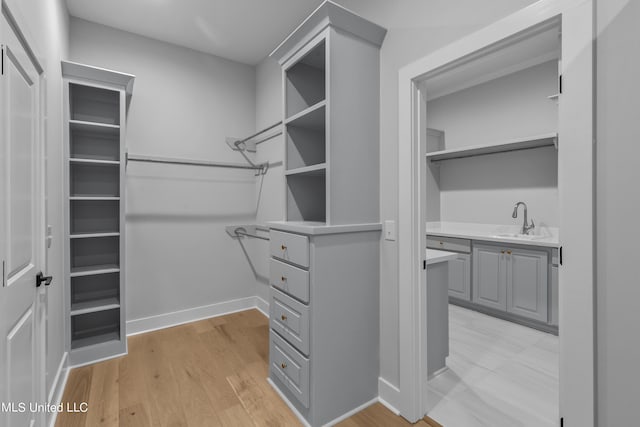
(40,279)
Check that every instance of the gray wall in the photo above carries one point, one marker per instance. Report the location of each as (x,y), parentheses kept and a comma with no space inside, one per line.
(270,187)
(484,189)
(618,203)
(47,22)
(184,104)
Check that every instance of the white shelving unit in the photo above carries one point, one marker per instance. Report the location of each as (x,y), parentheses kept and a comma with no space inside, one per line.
(95,119)
(527,143)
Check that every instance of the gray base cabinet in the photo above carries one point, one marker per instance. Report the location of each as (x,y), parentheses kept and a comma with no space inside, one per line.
(460,277)
(510,279)
(324,353)
(513,282)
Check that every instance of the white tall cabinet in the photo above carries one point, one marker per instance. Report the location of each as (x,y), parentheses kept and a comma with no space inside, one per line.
(95,124)
(324,305)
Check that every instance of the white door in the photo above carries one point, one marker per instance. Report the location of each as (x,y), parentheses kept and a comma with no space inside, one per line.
(21,234)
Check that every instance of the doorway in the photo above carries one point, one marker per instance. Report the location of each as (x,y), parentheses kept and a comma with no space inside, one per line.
(575,178)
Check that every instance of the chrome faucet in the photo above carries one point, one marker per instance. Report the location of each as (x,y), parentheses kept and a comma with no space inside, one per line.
(525,227)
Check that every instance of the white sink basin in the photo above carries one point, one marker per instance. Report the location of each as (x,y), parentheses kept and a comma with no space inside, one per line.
(518,236)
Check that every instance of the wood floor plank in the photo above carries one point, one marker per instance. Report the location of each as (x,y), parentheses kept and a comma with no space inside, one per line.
(76,391)
(103,395)
(208,373)
(260,404)
(135,416)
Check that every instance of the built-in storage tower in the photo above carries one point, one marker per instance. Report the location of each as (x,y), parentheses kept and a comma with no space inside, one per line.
(95,123)
(324,271)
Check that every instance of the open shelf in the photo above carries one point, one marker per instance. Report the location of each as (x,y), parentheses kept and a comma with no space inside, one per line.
(95,270)
(312,118)
(92,104)
(94,180)
(94,217)
(78,160)
(94,253)
(95,328)
(86,291)
(314,170)
(305,81)
(306,196)
(545,140)
(93,235)
(94,306)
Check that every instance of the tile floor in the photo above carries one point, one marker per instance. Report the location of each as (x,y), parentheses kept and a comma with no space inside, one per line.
(500,374)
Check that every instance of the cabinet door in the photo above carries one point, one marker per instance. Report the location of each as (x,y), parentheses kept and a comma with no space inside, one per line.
(489,286)
(460,277)
(527,272)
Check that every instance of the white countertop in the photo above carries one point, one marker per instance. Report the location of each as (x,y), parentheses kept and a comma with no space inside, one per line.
(317,228)
(543,236)
(435,256)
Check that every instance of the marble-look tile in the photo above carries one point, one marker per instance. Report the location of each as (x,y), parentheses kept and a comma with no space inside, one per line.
(500,374)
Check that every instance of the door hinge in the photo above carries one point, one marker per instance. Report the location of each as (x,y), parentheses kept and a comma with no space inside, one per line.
(562,422)
(3,264)
(424,264)
(2,48)
(560,83)
(560,252)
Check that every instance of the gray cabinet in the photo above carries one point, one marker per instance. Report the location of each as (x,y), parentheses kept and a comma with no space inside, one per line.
(527,283)
(460,277)
(325,255)
(489,276)
(460,268)
(511,279)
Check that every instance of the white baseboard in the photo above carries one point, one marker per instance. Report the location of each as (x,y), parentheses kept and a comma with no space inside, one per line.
(57,388)
(263,306)
(389,395)
(161,321)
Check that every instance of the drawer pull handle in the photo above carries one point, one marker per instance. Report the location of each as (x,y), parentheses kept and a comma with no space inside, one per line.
(283,279)
(442,243)
(501,252)
(283,317)
(283,247)
(283,365)
(509,252)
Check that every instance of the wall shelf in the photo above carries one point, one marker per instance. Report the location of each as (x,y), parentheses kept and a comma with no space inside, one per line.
(94,126)
(311,118)
(545,140)
(318,169)
(93,235)
(94,161)
(94,306)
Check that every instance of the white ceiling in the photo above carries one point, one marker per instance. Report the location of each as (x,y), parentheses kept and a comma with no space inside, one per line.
(240,30)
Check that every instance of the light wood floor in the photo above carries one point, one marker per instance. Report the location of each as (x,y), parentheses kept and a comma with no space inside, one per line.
(202,374)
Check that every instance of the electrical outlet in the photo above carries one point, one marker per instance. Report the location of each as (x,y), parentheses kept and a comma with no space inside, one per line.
(390,230)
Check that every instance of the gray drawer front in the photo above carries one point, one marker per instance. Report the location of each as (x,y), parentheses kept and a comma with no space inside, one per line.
(289,279)
(290,319)
(290,367)
(293,248)
(449,244)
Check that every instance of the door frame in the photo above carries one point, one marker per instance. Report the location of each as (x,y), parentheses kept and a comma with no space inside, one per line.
(575,184)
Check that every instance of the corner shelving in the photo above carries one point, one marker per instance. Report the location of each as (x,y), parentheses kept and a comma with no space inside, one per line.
(95,128)
(537,141)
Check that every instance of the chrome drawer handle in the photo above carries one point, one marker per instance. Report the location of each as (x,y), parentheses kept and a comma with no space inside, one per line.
(283,279)
(509,252)
(283,247)
(283,365)
(283,317)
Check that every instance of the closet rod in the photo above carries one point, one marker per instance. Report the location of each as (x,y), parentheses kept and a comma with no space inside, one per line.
(174,161)
(242,141)
(242,231)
